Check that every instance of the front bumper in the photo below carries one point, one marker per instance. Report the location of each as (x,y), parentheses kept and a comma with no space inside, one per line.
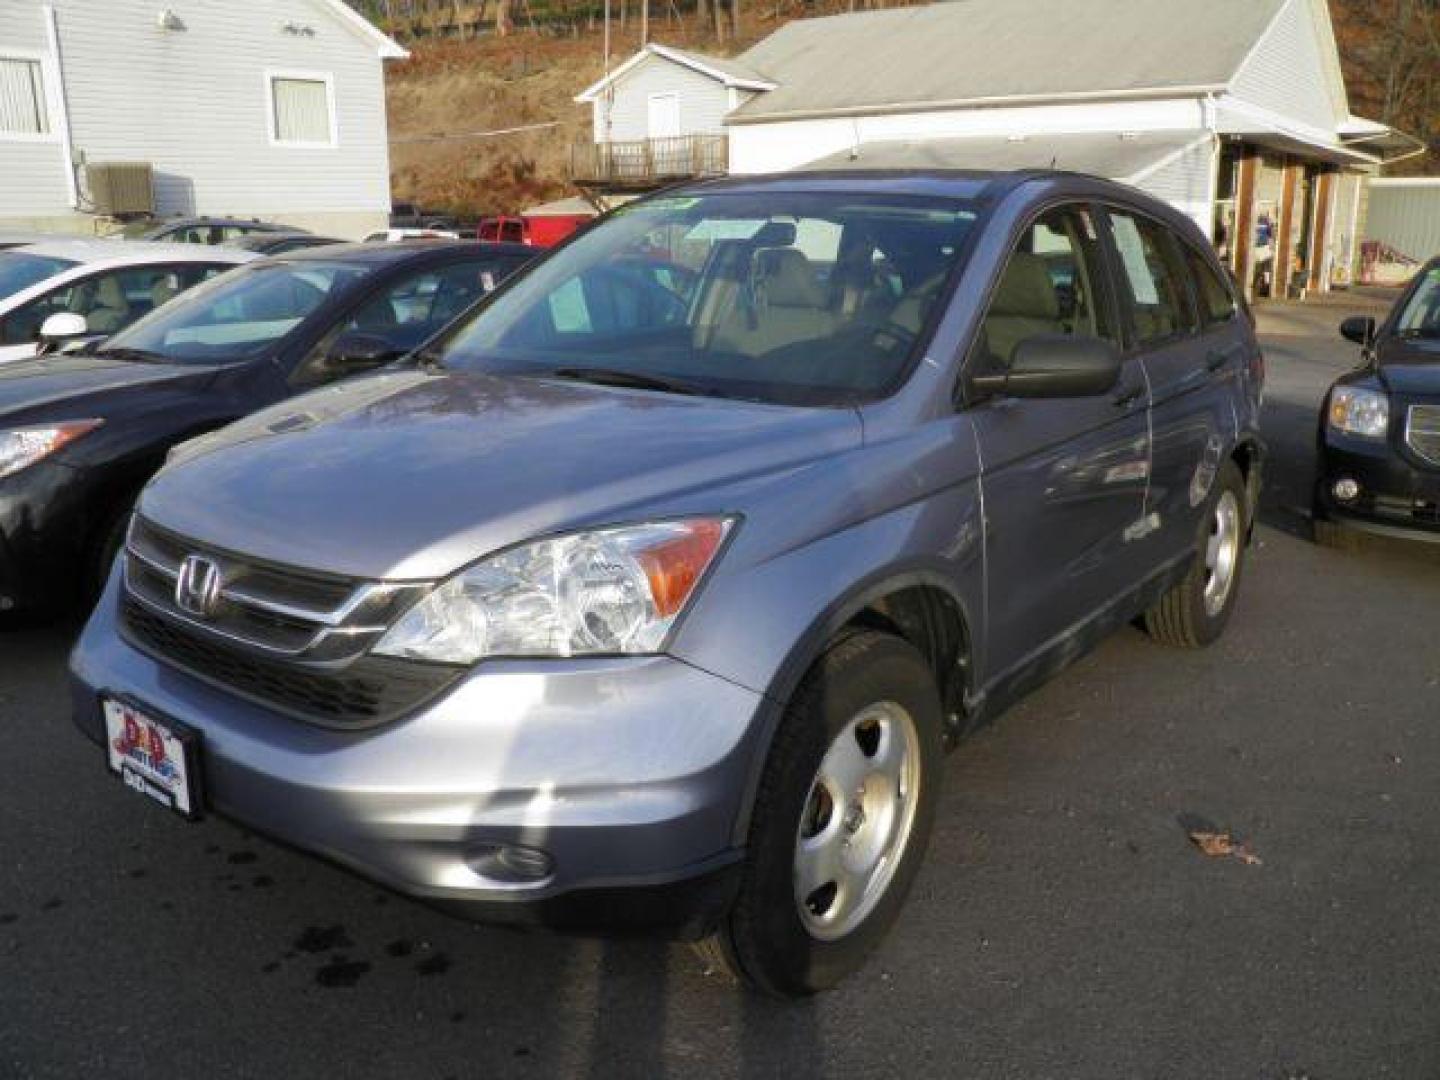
(1397,498)
(43,526)
(628,773)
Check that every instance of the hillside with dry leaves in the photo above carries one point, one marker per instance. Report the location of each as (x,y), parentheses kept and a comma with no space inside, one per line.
(452,105)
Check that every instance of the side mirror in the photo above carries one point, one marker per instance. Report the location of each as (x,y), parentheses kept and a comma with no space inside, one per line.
(1359,329)
(355,352)
(1055,366)
(62,325)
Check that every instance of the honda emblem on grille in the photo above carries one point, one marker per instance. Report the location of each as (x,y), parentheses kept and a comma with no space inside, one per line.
(197,589)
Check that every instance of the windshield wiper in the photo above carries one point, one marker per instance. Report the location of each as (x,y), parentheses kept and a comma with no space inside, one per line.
(1427,333)
(429,360)
(122,352)
(629,380)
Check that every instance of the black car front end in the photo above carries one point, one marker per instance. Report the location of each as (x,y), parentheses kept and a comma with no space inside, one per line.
(1387,483)
(45,526)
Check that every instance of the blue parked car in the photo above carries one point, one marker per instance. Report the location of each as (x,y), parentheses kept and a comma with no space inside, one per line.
(624,603)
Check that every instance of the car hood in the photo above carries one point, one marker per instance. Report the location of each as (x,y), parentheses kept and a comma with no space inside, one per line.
(31,388)
(413,475)
(1410,367)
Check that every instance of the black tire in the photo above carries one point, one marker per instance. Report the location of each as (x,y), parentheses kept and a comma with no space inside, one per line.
(1180,617)
(763,940)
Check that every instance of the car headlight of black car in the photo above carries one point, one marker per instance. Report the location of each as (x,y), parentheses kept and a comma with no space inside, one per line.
(1356,411)
(22,447)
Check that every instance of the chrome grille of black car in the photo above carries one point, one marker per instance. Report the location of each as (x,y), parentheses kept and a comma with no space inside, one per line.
(294,639)
(1422,432)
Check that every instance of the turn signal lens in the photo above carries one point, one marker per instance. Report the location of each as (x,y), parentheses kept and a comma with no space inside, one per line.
(1356,411)
(22,447)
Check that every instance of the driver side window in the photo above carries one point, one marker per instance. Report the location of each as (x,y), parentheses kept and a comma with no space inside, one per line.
(1052,284)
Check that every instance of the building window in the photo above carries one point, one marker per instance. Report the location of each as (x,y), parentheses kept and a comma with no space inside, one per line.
(22,98)
(302,110)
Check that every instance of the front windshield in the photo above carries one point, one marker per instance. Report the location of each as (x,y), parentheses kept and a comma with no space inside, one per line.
(238,314)
(20,269)
(793,298)
(1421,317)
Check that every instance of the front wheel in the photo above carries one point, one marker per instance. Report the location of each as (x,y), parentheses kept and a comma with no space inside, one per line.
(841,819)
(1194,612)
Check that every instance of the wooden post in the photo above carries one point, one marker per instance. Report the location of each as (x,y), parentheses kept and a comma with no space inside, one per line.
(1245,220)
(1320,241)
(1292,175)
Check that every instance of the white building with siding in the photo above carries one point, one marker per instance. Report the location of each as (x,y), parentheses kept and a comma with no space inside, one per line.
(1234,111)
(257,108)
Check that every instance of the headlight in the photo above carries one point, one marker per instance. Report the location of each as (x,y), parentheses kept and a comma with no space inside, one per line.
(616,590)
(22,447)
(1360,412)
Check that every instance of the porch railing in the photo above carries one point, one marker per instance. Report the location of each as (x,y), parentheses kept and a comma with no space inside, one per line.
(644,163)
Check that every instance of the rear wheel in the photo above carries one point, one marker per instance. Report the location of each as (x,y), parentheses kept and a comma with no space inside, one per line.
(1194,612)
(841,819)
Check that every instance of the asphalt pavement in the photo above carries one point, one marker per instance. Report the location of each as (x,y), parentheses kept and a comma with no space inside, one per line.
(1065,925)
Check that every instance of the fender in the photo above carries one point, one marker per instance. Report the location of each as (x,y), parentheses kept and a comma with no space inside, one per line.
(813,642)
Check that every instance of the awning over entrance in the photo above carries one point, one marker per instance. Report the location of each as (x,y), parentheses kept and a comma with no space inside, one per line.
(1107,154)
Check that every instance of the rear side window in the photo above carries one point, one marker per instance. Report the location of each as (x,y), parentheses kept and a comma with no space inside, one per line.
(1217,304)
(1051,285)
(1151,274)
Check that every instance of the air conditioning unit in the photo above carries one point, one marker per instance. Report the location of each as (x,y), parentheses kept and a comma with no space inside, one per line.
(121,187)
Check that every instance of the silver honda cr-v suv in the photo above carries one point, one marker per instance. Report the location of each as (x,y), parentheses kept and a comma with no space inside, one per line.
(652,590)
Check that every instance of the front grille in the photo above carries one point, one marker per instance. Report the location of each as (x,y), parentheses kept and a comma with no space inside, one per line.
(295,640)
(367,692)
(1422,432)
(276,610)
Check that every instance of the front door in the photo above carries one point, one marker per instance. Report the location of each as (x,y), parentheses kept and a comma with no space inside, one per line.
(1063,479)
(664,116)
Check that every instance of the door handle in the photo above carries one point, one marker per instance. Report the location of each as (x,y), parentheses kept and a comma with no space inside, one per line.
(1218,358)
(1128,396)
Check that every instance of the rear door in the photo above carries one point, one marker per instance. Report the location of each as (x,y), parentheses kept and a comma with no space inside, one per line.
(1063,479)
(1187,353)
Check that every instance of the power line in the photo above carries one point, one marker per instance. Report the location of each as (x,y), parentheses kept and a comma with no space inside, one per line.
(475,134)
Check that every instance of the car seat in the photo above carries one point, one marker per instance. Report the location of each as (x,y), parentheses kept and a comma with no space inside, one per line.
(782,304)
(165,288)
(1025,305)
(105,309)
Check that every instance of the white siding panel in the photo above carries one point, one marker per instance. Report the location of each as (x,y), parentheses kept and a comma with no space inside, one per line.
(193,102)
(1287,71)
(781,145)
(32,180)
(703,101)
(1184,183)
(32,170)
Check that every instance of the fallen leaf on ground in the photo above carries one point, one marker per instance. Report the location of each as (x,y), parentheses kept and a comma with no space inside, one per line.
(1222,845)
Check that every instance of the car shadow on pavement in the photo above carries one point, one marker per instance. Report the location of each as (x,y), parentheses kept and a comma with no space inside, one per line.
(1289,471)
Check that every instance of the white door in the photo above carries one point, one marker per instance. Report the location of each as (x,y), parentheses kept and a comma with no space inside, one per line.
(664,116)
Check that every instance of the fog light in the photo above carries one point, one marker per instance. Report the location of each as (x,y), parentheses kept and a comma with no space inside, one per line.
(1346,490)
(511,863)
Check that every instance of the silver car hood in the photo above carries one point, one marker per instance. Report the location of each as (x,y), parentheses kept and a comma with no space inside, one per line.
(408,475)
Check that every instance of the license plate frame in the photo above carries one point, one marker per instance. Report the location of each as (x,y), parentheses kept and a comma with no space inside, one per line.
(132,731)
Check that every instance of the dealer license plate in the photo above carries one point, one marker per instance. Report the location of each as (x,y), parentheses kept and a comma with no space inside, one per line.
(155,757)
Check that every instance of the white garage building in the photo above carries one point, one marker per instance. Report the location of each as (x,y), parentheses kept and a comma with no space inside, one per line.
(1234,111)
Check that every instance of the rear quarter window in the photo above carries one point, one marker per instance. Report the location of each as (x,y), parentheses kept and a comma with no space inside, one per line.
(1217,302)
